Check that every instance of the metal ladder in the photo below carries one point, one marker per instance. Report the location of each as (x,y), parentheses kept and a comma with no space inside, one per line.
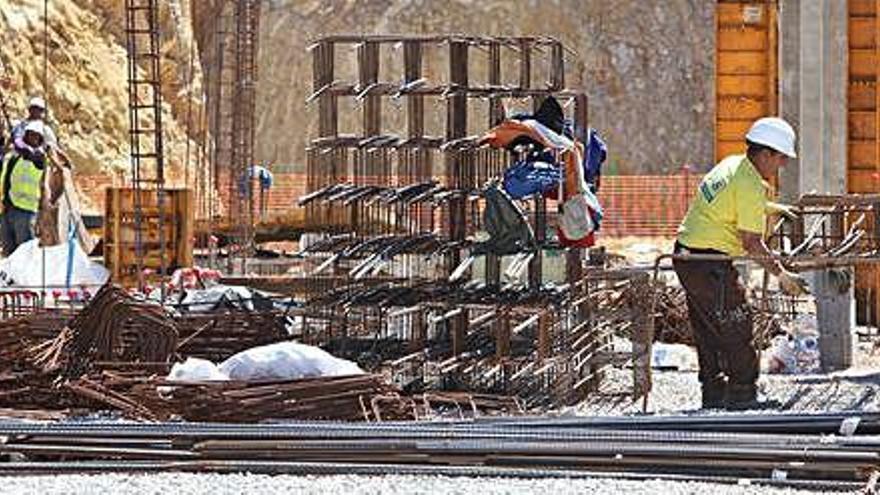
(145,125)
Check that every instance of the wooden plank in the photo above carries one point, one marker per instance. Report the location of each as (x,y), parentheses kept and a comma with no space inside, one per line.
(772,65)
(863,181)
(861,32)
(120,232)
(742,63)
(753,86)
(742,13)
(742,108)
(863,102)
(726,148)
(742,38)
(862,96)
(862,125)
(732,130)
(862,154)
(862,64)
(862,8)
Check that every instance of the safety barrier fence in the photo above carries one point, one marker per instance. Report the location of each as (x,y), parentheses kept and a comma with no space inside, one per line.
(635,205)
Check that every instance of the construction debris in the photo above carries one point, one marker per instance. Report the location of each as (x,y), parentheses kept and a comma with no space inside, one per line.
(113,327)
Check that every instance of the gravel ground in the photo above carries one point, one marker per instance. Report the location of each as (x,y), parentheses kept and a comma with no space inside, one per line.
(216,484)
(679,392)
(675,392)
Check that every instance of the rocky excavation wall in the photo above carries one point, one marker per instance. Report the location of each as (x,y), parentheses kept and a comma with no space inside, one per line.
(647,67)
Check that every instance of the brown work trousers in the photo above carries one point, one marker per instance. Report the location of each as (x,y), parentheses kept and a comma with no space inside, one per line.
(721,320)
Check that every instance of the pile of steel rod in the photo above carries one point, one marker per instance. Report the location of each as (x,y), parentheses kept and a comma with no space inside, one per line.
(802,450)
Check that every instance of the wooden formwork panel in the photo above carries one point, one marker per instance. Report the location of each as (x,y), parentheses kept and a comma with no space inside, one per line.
(865,181)
(859,8)
(862,63)
(862,95)
(753,86)
(175,237)
(863,154)
(862,125)
(732,130)
(745,70)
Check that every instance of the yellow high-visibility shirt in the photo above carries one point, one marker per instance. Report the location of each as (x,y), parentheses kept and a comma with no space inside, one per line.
(731,197)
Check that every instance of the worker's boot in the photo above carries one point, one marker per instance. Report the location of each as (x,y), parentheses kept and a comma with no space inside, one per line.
(714,393)
(741,397)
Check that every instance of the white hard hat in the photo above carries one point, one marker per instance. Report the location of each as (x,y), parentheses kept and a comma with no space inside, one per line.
(38,102)
(774,133)
(35,126)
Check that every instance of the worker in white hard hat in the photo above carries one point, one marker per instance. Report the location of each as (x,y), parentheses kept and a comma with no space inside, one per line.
(726,219)
(37,113)
(21,179)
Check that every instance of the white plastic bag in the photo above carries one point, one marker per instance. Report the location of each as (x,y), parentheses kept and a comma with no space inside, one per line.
(575,221)
(286,361)
(24,267)
(196,370)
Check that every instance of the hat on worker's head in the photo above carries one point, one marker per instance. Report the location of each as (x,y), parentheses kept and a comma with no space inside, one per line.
(774,133)
(38,102)
(35,126)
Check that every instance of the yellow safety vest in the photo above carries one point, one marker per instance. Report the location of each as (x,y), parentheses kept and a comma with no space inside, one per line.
(24,186)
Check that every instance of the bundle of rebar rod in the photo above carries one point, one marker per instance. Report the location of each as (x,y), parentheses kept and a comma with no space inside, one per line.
(113,327)
(796,452)
(218,335)
(348,398)
(19,334)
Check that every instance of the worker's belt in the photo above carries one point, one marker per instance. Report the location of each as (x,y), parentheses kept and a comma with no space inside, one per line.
(682,249)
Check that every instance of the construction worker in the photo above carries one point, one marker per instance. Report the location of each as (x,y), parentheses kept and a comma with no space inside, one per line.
(36,113)
(21,178)
(265,180)
(727,217)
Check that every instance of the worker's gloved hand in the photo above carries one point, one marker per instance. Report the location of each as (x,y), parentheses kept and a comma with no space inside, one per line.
(781,208)
(793,284)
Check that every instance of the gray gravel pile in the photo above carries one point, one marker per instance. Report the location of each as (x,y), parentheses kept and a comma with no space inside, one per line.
(217,484)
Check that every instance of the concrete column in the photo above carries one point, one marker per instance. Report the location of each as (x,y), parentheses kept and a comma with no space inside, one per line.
(813,44)
(822,96)
(789,91)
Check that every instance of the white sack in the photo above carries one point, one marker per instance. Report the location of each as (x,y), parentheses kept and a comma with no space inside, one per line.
(24,267)
(286,361)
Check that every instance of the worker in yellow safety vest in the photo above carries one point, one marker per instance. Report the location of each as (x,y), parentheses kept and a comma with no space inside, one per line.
(20,179)
(727,218)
